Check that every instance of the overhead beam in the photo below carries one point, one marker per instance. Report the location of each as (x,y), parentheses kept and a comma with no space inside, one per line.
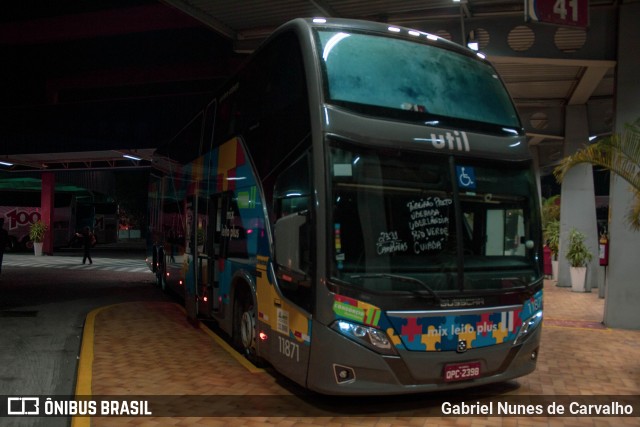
(170,75)
(203,17)
(541,136)
(535,140)
(499,59)
(324,8)
(589,81)
(94,24)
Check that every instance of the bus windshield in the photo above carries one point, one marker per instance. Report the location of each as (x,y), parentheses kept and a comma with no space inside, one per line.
(403,221)
(398,78)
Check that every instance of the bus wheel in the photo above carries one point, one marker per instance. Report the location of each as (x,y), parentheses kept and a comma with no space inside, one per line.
(161,270)
(247,330)
(243,322)
(244,328)
(162,277)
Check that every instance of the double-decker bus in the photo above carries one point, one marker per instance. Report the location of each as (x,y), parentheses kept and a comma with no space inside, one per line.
(358,208)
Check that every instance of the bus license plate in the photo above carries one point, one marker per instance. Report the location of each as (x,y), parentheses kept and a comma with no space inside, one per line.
(461,371)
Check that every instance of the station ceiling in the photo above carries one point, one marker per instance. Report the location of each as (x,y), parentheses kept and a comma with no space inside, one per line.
(84,83)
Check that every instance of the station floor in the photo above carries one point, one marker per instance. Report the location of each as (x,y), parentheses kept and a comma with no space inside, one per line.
(149,349)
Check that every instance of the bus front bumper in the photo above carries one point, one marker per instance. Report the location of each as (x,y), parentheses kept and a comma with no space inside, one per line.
(339,366)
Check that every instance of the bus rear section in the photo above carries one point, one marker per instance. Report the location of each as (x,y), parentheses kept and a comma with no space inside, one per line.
(21,208)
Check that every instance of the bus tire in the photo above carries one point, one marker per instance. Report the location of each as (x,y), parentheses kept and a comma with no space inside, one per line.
(244,325)
(161,278)
(161,270)
(154,259)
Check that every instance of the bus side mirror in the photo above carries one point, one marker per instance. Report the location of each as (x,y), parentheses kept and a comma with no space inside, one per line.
(287,242)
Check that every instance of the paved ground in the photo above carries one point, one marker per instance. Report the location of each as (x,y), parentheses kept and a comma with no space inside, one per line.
(138,343)
(101,262)
(44,302)
(149,349)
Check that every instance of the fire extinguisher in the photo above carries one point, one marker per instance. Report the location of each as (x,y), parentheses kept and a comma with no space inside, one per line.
(604,250)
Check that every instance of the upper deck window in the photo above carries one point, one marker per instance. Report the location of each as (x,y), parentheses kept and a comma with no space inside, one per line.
(400,78)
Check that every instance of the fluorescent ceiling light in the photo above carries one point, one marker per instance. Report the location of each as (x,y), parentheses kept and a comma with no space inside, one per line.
(6,163)
(333,41)
(129,156)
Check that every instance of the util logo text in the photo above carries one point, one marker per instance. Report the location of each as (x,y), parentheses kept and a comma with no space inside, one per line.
(453,141)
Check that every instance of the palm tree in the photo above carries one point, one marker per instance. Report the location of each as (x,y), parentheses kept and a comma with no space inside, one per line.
(618,153)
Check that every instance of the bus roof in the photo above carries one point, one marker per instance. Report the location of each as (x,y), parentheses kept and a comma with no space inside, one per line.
(374,27)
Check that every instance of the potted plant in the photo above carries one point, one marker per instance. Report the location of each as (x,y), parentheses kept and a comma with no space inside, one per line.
(552,237)
(37,231)
(550,210)
(578,255)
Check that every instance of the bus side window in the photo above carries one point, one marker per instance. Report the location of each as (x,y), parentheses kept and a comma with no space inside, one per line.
(292,190)
(292,195)
(504,228)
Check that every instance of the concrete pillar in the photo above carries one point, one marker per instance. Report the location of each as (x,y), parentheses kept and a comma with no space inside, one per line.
(47,208)
(623,288)
(578,201)
(535,155)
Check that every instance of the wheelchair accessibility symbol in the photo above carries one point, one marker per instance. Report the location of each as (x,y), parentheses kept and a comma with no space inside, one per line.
(466,177)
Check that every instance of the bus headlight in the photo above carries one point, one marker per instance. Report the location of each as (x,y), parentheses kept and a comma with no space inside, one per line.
(372,338)
(528,326)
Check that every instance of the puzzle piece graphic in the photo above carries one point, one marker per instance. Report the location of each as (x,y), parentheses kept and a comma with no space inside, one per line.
(411,329)
(431,339)
(500,334)
(395,339)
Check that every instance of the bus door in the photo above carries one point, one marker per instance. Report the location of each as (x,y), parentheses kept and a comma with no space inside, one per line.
(191,280)
(214,254)
(294,270)
(196,273)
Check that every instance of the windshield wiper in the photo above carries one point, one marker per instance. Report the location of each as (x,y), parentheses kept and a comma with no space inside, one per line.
(401,278)
(516,280)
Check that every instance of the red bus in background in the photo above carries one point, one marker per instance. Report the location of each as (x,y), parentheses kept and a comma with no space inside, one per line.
(21,208)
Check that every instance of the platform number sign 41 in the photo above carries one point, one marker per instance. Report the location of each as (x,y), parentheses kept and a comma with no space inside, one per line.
(560,9)
(573,13)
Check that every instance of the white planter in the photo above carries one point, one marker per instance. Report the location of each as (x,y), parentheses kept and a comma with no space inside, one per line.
(578,278)
(37,248)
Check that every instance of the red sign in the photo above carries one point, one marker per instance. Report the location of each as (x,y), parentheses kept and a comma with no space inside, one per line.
(461,371)
(19,218)
(572,13)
